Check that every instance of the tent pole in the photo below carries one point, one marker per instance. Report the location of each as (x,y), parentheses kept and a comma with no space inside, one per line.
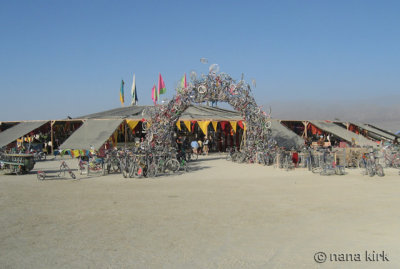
(126,133)
(305,123)
(52,136)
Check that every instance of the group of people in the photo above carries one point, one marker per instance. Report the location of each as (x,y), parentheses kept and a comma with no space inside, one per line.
(198,146)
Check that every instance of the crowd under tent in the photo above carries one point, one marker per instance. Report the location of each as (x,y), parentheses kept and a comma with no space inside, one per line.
(342,133)
(21,129)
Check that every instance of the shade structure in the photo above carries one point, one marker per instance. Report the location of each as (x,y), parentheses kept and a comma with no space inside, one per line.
(92,134)
(344,134)
(377,133)
(285,137)
(19,130)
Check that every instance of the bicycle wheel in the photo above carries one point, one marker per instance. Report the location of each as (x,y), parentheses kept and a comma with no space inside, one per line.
(115,166)
(41,175)
(125,172)
(379,170)
(316,170)
(172,166)
(195,156)
(132,170)
(370,171)
(152,170)
(339,170)
(72,175)
(361,163)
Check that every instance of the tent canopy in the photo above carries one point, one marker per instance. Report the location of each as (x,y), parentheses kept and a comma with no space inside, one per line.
(18,131)
(341,132)
(285,137)
(374,130)
(93,132)
(200,112)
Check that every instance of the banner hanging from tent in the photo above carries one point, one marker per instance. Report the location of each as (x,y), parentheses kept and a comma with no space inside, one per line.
(204,126)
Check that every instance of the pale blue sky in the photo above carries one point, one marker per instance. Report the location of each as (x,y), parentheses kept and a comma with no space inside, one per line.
(60,58)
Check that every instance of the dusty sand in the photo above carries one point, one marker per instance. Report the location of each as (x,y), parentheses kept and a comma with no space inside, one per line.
(221,215)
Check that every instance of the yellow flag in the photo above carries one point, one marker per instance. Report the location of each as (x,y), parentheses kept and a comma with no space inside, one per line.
(233,124)
(178,124)
(187,124)
(204,126)
(215,124)
(132,123)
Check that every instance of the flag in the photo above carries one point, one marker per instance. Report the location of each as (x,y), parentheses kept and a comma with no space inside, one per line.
(183,82)
(121,93)
(154,94)
(161,85)
(133,92)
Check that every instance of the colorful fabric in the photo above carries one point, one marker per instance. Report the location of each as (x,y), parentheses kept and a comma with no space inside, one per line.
(183,82)
(223,125)
(233,124)
(121,93)
(215,125)
(240,123)
(178,124)
(187,124)
(154,94)
(132,124)
(204,126)
(161,85)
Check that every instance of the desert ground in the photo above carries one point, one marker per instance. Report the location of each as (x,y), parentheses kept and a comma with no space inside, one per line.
(219,215)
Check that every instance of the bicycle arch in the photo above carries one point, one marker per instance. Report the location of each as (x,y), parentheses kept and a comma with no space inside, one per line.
(214,87)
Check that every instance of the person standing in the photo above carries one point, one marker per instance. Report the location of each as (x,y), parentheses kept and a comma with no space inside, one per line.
(205,145)
(194,146)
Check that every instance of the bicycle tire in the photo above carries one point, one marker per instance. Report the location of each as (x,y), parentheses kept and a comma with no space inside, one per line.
(132,170)
(72,175)
(202,89)
(316,170)
(370,171)
(41,176)
(125,173)
(152,170)
(172,166)
(379,170)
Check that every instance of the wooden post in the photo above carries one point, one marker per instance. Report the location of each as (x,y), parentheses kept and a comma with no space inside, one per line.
(126,132)
(305,123)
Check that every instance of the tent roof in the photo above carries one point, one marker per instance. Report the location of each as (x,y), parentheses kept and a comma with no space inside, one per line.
(193,112)
(19,130)
(341,132)
(117,113)
(284,136)
(376,131)
(201,112)
(93,132)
